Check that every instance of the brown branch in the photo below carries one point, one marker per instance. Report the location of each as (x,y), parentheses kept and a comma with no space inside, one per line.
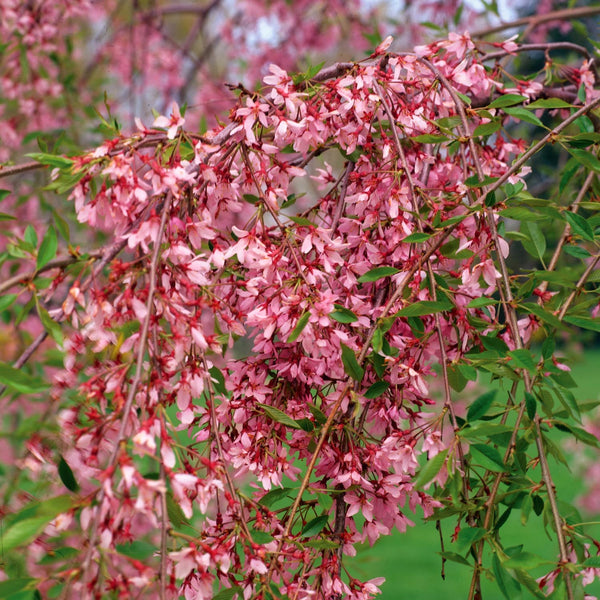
(56,263)
(584,277)
(30,166)
(535,20)
(181,9)
(542,47)
(342,198)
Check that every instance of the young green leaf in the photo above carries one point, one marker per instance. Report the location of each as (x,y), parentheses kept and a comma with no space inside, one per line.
(343,315)
(300,325)
(51,160)
(20,381)
(351,366)
(480,406)
(23,532)
(275,496)
(580,226)
(487,457)
(423,307)
(377,273)
(66,475)
(430,469)
(47,249)
(416,238)
(227,593)
(507,100)
(315,526)
(377,389)
(279,416)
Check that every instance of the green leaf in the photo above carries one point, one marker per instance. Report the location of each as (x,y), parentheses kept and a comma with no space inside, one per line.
(315,526)
(343,315)
(377,273)
(580,226)
(318,414)
(423,307)
(525,560)
(468,536)
(51,160)
(520,213)
(351,366)
(523,359)
(48,248)
(577,251)
(487,457)
(536,236)
(510,588)
(416,238)
(62,226)
(12,586)
(475,182)
(7,217)
(66,475)
(23,532)
(138,549)
(583,322)
(484,430)
(50,325)
(377,389)
(549,103)
(507,100)
(480,406)
(279,416)
(30,236)
(481,302)
(530,405)
(174,511)
(275,496)
(592,562)
(300,325)
(4,193)
(227,593)
(251,198)
(261,537)
(60,555)
(321,544)
(487,128)
(6,301)
(430,138)
(454,557)
(302,221)
(430,469)
(542,314)
(587,159)
(456,379)
(20,381)
(581,434)
(522,114)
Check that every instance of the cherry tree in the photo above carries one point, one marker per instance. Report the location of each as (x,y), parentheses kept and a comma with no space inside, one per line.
(249,341)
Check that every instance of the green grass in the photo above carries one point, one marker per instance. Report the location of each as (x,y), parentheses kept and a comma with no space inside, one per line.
(410,562)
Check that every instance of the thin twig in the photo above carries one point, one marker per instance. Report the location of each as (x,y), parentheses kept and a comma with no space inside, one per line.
(30,166)
(342,198)
(137,377)
(56,263)
(566,231)
(535,20)
(542,47)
